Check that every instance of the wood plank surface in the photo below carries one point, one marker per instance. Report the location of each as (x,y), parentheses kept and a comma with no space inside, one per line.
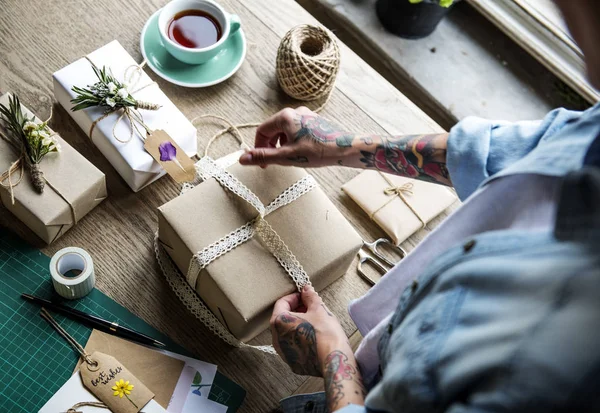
(38,38)
(467,67)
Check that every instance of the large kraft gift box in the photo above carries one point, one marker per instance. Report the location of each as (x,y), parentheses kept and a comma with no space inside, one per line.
(72,178)
(130,159)
(241,286)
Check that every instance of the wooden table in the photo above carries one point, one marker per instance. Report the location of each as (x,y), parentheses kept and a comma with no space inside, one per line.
(40,37)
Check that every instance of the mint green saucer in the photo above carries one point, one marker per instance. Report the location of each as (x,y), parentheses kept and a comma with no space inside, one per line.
(216,70)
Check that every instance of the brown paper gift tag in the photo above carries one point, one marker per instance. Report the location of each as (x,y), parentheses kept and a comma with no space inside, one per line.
(170,156)
(159,372)
(114,385)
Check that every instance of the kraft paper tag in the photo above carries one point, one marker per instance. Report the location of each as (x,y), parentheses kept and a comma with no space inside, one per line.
(170,156)
(114,385)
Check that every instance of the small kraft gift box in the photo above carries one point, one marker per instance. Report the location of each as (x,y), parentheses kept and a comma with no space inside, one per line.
(73,187)
(120,134)
(247,236)
(400,206)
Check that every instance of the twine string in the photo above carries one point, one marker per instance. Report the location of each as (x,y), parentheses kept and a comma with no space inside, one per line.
(234,130)
(7,176)
(76,406)
(82,404)
(132,76)
(84,354)
(301,75)
(19,166)
(401,192)
(308,61)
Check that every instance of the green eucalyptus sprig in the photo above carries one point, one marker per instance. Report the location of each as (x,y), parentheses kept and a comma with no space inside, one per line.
(33,140)
(108,92)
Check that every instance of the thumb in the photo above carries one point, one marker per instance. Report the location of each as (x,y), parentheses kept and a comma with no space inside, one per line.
(266,156)
(310,298)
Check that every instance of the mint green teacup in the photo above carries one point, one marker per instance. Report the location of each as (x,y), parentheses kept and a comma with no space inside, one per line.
(229,23)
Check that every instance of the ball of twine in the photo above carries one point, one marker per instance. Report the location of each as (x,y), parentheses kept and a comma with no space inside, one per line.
(308,61)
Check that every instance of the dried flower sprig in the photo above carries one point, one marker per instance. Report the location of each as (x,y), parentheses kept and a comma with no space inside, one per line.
(108,92)
(33,140)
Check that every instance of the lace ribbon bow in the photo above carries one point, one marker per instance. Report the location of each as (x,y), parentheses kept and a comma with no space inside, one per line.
(207,168)
(184,288)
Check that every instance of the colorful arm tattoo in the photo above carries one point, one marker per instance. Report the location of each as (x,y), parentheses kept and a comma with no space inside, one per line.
(414,156)
(343,382)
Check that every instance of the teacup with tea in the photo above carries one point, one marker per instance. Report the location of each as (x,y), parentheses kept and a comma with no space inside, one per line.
(195,31)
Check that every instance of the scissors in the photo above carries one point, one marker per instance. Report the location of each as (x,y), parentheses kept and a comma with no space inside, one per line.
(368,252)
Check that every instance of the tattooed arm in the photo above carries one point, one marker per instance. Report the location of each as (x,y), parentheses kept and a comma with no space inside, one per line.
(343,382)
(307,139)
(314,343)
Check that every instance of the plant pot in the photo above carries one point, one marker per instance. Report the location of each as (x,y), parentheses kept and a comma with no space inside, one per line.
(411,21)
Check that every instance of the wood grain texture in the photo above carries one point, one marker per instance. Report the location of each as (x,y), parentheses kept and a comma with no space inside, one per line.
(467,67)
(38,38)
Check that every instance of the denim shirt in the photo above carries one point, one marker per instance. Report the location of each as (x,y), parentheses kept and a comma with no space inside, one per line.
(509,320)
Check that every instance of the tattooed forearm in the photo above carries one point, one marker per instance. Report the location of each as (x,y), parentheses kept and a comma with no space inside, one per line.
(367,140)
(298,159)
(321,130)
(343,382)
(414,156)
(298,343)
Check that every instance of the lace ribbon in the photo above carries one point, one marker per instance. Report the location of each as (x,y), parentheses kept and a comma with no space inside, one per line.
(182,285)
(207,168)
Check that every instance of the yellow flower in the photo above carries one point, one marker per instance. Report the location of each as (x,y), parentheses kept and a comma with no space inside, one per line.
(122,388)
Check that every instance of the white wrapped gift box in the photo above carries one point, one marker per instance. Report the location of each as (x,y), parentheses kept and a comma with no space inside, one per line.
(130,159)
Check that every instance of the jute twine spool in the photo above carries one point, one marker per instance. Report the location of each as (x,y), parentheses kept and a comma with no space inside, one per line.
(308,61)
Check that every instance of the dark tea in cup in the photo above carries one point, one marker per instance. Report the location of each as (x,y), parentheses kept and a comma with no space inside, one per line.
(195,29)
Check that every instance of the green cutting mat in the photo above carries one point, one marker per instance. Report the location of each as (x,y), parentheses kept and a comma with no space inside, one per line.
(35,361)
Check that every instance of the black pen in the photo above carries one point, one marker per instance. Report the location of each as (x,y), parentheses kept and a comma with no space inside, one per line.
(98,323)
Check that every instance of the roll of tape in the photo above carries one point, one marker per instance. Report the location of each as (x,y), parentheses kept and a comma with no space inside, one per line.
(72,259)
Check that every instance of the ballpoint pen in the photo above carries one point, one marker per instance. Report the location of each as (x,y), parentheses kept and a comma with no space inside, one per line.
(93,321)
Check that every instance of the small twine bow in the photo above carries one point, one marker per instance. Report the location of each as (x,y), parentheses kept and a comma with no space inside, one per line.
(132,76)
(399,191)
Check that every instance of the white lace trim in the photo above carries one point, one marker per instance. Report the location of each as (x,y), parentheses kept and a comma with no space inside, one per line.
(190,299)
(207,168)
(201,259)
(183,286)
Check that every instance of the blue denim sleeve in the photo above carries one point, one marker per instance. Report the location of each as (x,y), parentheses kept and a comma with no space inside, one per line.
(479,148)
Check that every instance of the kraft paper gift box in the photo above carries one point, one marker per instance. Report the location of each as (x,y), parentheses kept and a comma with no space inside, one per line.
(375,193)
(71,178)
(130,159)
(241,286)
